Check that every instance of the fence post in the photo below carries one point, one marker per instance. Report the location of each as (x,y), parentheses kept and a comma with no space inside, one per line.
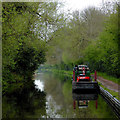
(95,75)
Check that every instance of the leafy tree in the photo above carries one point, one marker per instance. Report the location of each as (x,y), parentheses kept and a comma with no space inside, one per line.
(104,52)
(77,32)
(23,51)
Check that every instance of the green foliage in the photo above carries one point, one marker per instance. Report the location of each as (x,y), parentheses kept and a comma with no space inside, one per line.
(23,51)
(28,59)
(74,36)
(89,37)
(103,54)
(30,29)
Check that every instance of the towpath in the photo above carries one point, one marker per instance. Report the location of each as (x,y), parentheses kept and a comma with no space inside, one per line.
(108,84)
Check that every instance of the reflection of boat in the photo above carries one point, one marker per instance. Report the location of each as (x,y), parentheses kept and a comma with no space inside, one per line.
(84,96)
(83,99)
(83,104)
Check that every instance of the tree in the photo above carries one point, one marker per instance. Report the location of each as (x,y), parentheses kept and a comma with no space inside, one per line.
(23,51)
(77,32)
(104,52)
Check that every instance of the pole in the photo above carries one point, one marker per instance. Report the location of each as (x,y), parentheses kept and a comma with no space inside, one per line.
(73,75)
(96,104)
(74,104)
(95,75)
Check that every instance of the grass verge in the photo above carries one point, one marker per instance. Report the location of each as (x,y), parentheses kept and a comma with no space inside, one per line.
(108,77)
(113,93)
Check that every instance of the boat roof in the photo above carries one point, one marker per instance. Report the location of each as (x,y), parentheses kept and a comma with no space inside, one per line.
(82,66)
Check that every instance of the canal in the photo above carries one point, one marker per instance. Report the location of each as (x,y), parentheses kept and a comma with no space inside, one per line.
(50,96)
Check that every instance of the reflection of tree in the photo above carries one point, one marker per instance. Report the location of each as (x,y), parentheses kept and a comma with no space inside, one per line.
(53,87)
(29,103)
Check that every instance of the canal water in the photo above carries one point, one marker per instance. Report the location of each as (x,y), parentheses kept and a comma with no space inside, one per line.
(50,96)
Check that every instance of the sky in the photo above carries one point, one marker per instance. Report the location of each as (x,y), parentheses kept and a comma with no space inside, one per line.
(82,4)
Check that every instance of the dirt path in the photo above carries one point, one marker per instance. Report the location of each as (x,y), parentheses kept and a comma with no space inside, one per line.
(108,84)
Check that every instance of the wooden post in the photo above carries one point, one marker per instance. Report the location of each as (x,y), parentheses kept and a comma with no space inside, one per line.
(74,104)
(73,75)
(96,104)
(95,75)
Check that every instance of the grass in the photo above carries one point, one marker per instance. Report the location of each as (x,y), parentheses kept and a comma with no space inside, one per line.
(108,77)
(111,78)
(113,93)
(67,73)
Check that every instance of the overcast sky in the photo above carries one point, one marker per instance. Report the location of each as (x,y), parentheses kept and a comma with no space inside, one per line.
(82,4)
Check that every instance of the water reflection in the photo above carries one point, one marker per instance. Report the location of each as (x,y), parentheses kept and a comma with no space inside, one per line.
(39,85)
(82,98)
(52,108)
(27,103)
